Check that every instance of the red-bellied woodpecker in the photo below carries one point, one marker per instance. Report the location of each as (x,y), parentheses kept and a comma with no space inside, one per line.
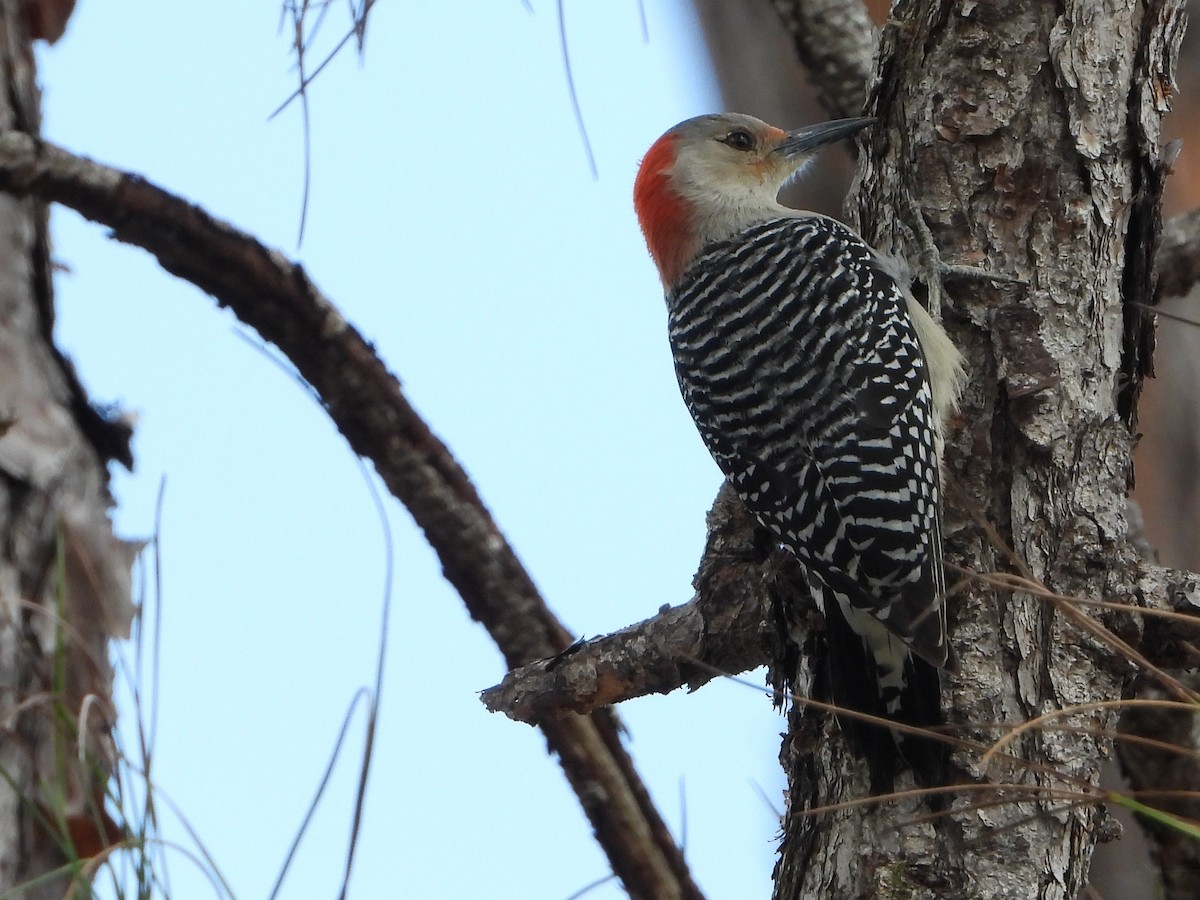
(819,386)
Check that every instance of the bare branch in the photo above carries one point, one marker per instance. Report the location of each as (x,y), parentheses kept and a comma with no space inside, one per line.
(275,296)
(1179,255)
(1163,758)
(652,657)
(1164,761)
(1171,642)
(724,628)
(834,40)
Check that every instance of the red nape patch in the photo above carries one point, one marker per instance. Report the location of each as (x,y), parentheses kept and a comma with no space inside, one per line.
(662,213)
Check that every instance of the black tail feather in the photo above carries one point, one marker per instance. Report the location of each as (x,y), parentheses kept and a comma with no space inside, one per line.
(921,706)
(853,683)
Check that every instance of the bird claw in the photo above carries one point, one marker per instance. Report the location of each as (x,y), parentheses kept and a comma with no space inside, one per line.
(935,271)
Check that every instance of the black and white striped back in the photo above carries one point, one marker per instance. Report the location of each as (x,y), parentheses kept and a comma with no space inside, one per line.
(798,360)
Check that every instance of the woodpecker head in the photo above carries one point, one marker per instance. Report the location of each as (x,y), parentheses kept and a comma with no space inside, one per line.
(708,178)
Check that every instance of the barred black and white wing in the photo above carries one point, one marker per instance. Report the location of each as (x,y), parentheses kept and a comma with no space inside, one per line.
(797,358)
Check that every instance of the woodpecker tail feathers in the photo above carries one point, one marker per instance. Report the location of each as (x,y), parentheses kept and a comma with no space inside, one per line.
(870,670)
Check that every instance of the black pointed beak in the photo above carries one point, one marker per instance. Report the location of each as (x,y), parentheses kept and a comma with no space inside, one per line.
(805,140)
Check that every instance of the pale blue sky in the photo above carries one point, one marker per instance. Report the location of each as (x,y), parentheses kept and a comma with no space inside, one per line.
(454,220)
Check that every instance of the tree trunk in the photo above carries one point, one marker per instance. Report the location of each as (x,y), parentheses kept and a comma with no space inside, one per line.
(1026,136)
(64,578)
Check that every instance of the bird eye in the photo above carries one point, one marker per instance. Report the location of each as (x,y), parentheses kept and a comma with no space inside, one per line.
(740,139)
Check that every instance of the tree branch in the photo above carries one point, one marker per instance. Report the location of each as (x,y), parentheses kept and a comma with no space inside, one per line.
(834,40)
(275,297)
(1179,255)
(1160,759)
(723,629)
(1171,643)
(1159,749)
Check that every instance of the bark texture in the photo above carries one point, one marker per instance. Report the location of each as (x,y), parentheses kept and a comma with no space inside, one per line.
(64,578)
(834,40)
(1168,778)
(1025,137)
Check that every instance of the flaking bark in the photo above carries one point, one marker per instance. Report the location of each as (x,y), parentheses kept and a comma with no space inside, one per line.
(1023,154)
(64,577)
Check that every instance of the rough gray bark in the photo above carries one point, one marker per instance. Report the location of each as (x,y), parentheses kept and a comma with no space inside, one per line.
(1024,155)
(834,40)
(1169,779)
(1160,747)
(64,578)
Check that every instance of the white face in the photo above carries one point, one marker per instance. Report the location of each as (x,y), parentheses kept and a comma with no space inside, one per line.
(729,168)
